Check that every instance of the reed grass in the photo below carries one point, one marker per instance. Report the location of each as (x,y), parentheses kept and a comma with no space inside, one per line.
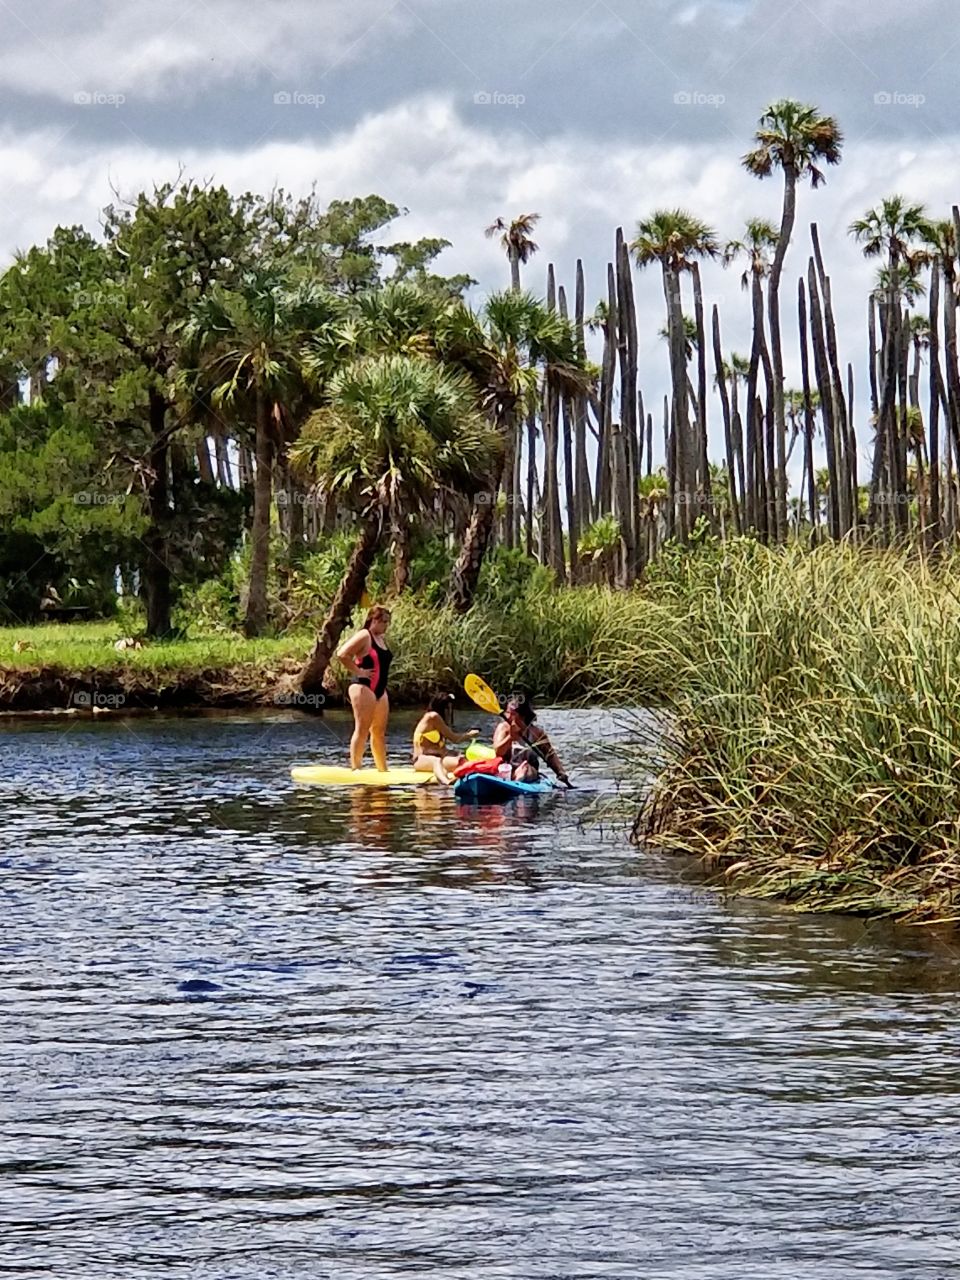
(809,745)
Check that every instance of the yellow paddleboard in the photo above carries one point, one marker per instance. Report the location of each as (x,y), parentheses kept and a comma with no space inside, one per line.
(327,775)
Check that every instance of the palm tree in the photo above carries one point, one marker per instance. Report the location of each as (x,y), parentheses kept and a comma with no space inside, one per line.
(396,431)
(506,349)
(893,228)
(516,237)
(757,247)
(676,239)
(248,344)
(795,138)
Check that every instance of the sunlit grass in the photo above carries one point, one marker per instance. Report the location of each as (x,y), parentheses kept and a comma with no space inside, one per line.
(89,646)
(810,743)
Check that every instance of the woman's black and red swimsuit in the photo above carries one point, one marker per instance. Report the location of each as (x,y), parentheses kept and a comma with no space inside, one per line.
(377,662)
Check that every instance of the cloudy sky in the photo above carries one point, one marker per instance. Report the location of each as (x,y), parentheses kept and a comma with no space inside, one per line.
(591,114)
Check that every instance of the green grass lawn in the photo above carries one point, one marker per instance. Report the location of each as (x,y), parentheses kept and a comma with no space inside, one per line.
(82,646)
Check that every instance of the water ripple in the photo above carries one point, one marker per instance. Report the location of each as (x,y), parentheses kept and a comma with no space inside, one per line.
(255,1031)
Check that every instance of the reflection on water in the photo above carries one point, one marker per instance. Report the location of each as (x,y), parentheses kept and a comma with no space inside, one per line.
(254,1030)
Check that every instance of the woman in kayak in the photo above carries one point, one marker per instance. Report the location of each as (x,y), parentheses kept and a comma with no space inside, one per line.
(366,655)
(430,737)
(522,744)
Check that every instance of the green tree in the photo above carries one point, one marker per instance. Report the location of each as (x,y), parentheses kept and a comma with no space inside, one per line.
(676,239)
(516,238)
(795,138)
(249,343)
(893,229)
(506,349)
(396,431)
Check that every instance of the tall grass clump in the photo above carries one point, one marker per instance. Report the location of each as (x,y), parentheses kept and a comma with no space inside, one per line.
(809,743)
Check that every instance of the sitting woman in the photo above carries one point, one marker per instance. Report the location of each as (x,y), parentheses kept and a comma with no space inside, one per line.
(431,736)
(522,744)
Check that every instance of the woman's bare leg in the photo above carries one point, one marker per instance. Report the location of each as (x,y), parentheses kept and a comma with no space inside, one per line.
(378,731)
(364,705)
(431,764)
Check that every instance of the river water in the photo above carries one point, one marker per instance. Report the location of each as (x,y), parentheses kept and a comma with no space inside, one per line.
(251,1030)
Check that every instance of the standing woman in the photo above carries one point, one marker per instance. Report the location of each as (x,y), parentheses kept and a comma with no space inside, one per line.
(367,656)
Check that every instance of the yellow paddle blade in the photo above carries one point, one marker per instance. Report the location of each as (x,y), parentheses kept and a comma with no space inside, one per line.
(479,691)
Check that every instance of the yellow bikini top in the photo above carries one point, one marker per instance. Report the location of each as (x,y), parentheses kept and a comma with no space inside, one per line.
(431,735)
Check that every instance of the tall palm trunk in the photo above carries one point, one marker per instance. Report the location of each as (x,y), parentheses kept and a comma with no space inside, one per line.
(154,567)
(530,503)
(756,511)
(348,596)
(727,422)
(400,550)
(680,410)
(814,505)
(821,370)
(255,620)
(935,532)
(514,268)
(465,575)
(787,219)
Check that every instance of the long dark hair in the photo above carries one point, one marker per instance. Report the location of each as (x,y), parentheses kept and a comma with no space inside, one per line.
(523,706)
(442,704)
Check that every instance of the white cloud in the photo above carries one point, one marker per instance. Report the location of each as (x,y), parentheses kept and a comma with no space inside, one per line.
(157,49)
(456,177)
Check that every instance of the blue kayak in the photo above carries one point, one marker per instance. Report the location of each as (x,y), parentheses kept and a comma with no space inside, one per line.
(488,788)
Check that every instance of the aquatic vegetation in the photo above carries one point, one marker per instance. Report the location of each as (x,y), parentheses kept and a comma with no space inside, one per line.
(808,746)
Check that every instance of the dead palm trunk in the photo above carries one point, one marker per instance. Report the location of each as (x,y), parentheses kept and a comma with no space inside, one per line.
(620,288)
(465,575)
(155,576)
(255,619)
(787,219)
(727,421)
(567,413)
(702,458)
(583,501)
(551,519)
(754,514)
(607,377)
(204,465)
(346,599)
(934,533)
(683,490)
(530,504)
(826,401)
(223,459)
(627,346)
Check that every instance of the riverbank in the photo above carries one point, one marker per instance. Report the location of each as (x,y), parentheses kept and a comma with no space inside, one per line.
(564,646)
(76,668)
